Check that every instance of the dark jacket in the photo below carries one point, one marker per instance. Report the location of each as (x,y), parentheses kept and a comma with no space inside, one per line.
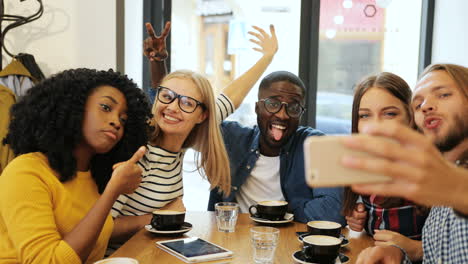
(307,204)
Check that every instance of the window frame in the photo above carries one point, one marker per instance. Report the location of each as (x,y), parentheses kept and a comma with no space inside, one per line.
(159,11)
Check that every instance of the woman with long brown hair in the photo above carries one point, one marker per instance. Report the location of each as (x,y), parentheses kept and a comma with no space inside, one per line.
(384,98)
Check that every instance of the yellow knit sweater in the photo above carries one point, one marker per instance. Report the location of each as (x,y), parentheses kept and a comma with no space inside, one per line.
(37,210)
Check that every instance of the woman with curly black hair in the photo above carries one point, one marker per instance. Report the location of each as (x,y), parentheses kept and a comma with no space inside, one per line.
(68,131)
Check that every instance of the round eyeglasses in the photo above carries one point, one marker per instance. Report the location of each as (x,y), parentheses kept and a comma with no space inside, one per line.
(186,103)
(273,106)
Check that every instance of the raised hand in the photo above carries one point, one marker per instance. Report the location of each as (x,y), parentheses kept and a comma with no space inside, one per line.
(358,218)
(268,43)
(387,238)
(127,175)
(154,47)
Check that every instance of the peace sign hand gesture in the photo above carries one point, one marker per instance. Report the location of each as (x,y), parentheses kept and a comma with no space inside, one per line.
(154,47)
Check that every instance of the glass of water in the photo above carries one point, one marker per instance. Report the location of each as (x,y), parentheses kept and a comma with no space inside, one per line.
(264,241)
(226,216)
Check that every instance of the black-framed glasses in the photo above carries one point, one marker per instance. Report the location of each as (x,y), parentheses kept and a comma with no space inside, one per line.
(186,103)
(273,106)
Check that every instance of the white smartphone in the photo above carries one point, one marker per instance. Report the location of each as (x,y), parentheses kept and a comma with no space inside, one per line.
(322,159)
(194,249)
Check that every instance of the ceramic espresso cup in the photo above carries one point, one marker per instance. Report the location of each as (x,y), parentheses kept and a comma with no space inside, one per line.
(321,249)
(271,210)
(167,220)
(325,228)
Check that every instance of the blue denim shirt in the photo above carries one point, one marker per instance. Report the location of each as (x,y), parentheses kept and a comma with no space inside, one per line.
(307,204)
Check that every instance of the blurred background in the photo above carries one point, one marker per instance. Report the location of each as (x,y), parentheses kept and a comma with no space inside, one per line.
(330,44)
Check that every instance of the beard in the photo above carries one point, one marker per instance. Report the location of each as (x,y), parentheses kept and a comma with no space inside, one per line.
(456,135)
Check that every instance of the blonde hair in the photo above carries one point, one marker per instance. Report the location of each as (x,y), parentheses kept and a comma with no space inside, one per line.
(204,137)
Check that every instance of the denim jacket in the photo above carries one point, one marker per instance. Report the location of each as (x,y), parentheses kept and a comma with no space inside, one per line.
(307,204)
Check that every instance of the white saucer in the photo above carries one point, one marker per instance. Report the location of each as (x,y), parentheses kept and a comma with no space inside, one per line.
(185,228)
(299,258)
(287,218)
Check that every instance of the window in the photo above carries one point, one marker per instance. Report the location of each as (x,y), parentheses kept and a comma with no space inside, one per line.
(358,38)
(330,44)
(210,37)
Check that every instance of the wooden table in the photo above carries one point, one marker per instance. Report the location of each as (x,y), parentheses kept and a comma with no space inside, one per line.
(143,248)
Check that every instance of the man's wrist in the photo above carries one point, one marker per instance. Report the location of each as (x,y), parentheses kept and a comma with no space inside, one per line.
(404,255)
(415,251)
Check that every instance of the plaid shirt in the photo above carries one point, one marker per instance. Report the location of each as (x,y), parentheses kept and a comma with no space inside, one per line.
(403,219)
(445,237)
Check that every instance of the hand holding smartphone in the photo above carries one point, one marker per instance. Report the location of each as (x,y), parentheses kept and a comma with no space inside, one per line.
(322,159)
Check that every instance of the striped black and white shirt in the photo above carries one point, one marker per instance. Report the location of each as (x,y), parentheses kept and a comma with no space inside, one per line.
(162,175)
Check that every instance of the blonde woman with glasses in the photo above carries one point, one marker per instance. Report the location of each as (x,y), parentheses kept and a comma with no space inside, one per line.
(186,115)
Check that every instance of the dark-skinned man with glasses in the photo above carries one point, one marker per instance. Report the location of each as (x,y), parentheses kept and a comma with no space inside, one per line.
(267,161)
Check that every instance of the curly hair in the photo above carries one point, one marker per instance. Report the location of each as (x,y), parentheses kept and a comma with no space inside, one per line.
(49,119)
